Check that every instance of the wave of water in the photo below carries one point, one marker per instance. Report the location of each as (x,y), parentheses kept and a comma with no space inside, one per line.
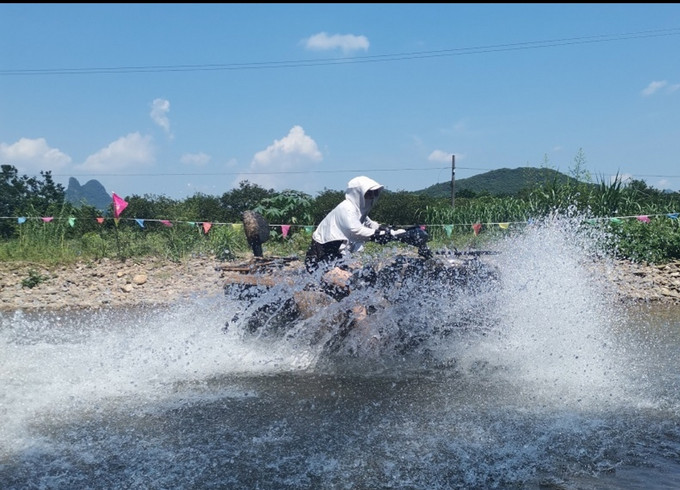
(544,380)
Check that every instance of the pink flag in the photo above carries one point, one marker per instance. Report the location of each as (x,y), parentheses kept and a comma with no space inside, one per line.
(119,204)
(100,220)
(477,227)
(166,222)
(206,227)
(48,219)
(644,219)
(284,230)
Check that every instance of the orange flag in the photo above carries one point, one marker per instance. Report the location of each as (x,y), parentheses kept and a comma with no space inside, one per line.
(206,227)
(476,227)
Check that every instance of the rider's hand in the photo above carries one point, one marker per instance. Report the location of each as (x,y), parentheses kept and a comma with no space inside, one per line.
(381,236)
(396,233)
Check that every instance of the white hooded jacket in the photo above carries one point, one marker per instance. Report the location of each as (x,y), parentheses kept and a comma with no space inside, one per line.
(349,220)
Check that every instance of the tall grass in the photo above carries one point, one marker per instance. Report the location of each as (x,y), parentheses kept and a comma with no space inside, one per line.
(82,238)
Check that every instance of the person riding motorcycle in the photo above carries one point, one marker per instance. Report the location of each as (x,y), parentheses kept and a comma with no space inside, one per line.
(347,227)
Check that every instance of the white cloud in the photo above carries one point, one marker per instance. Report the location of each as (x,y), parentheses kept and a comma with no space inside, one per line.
(345,42)
(673,88)
(159,114)
(127,152)
(439,156)
(198,159)
(654,87)
(277,165)
(31,156)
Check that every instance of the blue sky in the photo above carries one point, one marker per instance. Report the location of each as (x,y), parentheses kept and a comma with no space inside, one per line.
(179,99)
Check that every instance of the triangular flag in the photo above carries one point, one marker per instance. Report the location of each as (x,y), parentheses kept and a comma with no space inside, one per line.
(673,215)
(448,229)
(100,220)
(591,221)
(47,219)
(191,223)
(237,226)
(476,227)
(503,226)
(166,222)
(119,204)
(72,221)
(309,229)
(116,220)
(284,230)
(206,227)
(615,220)
(643,218)
(422,227)
(21,220)
(140,222)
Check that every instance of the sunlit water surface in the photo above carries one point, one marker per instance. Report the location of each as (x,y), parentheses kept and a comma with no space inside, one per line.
(547,382)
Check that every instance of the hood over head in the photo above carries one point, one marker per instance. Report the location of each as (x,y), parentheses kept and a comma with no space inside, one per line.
(356,193)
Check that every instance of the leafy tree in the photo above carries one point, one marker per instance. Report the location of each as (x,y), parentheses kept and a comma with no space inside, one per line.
(401,208)
(287,207)
(246,197)
(27,195)
(202,207)
(151,206)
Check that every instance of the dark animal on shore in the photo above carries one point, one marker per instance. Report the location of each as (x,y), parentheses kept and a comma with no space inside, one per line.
(257,231)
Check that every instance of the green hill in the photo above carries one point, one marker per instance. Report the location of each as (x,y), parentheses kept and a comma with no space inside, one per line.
(91,193)
(501,182)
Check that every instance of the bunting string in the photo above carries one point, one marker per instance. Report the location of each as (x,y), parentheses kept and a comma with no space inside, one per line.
(119,205)
(285,227)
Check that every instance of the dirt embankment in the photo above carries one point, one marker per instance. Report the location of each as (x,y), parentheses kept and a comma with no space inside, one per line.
(148,282)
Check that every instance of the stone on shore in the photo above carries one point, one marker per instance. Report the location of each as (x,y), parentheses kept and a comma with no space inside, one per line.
(156,282)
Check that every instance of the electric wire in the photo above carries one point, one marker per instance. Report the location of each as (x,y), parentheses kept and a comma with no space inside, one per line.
(599,38)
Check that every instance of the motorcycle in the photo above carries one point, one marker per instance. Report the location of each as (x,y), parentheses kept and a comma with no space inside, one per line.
(399,300)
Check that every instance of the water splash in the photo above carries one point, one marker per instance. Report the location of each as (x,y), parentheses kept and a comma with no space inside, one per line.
(522,378)
(556,315)
(57,363)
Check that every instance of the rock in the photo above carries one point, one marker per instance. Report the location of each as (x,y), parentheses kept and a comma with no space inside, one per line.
(107,284)
(139,279)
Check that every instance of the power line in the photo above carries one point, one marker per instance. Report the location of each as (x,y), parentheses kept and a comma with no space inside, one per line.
(290,172)
(286,172)
(600,38)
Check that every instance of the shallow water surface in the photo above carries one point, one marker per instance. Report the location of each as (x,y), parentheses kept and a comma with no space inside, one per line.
(547,384)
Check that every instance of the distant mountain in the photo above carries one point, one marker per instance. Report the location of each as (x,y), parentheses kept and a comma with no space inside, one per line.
(91,193)
(501,182)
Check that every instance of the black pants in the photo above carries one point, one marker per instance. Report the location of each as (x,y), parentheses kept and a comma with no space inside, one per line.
(322,252)
(325,255)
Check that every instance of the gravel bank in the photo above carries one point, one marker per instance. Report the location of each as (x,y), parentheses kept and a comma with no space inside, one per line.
(149,282)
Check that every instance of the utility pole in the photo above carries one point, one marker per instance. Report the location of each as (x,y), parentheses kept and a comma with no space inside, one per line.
(453,181)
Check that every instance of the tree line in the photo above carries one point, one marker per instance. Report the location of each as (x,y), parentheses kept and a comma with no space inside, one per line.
(655,241)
